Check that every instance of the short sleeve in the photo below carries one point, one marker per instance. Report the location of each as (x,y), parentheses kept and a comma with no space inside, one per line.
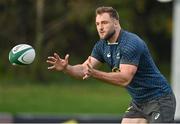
(131,52)
(97,51)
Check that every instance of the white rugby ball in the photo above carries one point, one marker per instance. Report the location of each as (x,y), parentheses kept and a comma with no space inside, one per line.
(22,54)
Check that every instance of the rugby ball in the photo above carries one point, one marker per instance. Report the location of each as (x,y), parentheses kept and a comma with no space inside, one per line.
(22,54)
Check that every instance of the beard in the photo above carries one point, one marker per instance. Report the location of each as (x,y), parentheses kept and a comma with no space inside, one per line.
(108,35)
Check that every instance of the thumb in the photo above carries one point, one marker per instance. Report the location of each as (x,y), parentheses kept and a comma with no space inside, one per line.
(89,59)
(89,65)
(67,57)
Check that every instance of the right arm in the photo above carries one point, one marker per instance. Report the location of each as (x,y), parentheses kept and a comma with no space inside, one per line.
(76,71)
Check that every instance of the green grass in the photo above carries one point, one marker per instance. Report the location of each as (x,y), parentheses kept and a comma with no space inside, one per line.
(65,98)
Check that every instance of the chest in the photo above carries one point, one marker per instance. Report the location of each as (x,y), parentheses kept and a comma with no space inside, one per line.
(112,55)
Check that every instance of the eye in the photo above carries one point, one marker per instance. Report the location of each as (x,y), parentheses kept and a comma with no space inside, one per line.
(105,22)
(97,23)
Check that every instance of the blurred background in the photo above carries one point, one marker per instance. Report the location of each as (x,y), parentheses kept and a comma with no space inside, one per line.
(68,26)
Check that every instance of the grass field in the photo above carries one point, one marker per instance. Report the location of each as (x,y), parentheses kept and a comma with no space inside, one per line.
(64,98)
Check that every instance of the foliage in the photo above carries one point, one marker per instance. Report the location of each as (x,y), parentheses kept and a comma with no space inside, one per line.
(68,26)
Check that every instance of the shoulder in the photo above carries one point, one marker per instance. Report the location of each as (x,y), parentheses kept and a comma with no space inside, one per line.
(98,50)
(132,43)
(132,40)
(100,43)
(132,49)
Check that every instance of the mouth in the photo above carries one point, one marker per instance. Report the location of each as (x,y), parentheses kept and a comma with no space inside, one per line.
(102,33)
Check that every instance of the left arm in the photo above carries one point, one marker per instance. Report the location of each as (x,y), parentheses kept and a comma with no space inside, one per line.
(122,78)
(131,53)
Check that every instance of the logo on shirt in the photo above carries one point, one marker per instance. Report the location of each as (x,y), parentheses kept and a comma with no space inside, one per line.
(156,116)
(109,55)
(118,56)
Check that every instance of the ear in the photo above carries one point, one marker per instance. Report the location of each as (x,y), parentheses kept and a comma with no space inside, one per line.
(115,23)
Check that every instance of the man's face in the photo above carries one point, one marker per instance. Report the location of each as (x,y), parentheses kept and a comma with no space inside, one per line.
(105,26)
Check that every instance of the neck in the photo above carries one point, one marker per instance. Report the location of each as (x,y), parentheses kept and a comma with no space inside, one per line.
(114,38)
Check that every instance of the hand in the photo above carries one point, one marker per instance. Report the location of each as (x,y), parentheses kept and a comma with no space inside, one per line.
(89,69)
(57,63)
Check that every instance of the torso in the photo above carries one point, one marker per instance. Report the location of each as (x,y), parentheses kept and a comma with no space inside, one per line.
(148,83)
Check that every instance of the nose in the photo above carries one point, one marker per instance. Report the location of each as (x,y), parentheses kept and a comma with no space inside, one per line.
(101,27)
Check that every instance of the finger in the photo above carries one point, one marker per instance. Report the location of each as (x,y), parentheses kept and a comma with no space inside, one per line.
(57,56)
(51,58)
(85,77)
(50,62)
(67,57)
(89,66)
(51,67)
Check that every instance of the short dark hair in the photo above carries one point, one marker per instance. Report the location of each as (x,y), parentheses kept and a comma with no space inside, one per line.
(112,12)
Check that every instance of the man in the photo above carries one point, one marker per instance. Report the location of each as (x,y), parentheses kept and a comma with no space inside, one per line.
(132,67)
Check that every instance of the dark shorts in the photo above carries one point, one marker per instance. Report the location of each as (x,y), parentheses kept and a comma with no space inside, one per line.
(161,110)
